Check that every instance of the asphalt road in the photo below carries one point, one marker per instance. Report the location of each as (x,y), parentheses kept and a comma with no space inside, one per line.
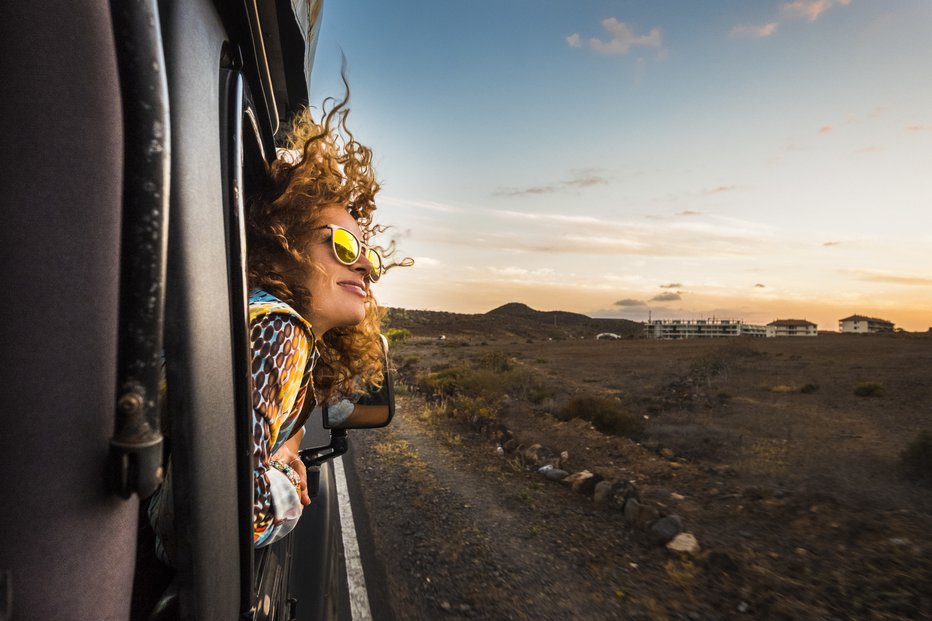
(338,523)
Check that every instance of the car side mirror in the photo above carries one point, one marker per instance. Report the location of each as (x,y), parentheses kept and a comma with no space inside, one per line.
(375,409)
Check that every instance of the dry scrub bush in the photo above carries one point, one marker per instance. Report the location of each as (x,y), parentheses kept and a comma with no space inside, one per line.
(606,415)
(916,459)
(480,386)
(397,335)
(868,389)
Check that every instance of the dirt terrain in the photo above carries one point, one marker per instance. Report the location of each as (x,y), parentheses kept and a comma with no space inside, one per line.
(787,479)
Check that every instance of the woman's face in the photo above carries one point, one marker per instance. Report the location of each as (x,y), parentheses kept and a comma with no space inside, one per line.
(338,291)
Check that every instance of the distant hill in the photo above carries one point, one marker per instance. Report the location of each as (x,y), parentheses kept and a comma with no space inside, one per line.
(514,319)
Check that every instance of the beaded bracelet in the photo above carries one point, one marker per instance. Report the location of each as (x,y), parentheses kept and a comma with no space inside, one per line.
(289,472)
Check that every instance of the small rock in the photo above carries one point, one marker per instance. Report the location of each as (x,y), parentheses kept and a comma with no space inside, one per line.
(632,510)
(587,485)
(676,465)
(530,454)
(621,492)
(446,606)
(555,474)
(801,551)
(676,496)
(684,542)
(576,478)
(665,529)
(510,445)
(602,492)
(713,491)
(743,607)
(646,515)
(667,453)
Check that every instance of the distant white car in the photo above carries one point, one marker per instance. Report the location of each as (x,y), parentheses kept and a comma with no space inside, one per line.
(608,335)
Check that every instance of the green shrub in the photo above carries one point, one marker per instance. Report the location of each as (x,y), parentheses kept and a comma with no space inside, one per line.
(439,383)
(495,361)
(482,383)
(397,335)
(916,459)
(606,415)
(868,389)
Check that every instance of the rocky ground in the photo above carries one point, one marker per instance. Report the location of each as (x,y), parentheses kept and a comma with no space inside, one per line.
(466,525)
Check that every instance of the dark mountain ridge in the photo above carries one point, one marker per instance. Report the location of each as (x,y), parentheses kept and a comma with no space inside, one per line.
(514,319)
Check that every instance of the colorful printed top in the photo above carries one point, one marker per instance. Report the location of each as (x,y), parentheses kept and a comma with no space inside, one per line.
(283,357)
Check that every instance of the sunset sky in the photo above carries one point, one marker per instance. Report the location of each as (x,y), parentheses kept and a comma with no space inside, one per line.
(736,159)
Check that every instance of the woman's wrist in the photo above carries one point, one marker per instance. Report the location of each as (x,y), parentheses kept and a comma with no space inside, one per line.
(289,472)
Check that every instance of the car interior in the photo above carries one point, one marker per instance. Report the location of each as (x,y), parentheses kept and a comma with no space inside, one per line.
(133,134)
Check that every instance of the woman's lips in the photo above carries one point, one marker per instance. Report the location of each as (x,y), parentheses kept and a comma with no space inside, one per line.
(355,287)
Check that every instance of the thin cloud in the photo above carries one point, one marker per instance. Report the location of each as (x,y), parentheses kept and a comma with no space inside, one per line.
(825,129)
(672,285)
(579,179)
(831,243)
(754,32)
(870,149)
(417,204)
(540,189)
(587,180)
(683,237)
(629,302)
(689,212)
(621,39)
(722,189)
(892,279)
(666,297)
(760,285)
(809,9)
(918,128)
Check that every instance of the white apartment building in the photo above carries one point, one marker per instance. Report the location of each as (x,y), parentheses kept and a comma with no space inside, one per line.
(674,329)
(792,327)
(859,324)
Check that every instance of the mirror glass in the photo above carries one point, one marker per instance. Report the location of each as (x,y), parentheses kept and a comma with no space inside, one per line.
(374,409)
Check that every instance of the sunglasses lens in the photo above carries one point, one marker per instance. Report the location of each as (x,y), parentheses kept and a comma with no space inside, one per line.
(376,262)
(345,246)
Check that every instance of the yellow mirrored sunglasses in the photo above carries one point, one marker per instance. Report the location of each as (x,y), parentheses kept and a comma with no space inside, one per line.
(347,248)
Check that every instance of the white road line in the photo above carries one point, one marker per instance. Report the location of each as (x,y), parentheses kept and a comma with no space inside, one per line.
(355,579)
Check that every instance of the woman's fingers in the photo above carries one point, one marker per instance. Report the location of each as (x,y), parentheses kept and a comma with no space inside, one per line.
(301,469)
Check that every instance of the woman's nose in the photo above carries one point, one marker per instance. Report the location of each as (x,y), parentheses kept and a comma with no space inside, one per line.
(362,265)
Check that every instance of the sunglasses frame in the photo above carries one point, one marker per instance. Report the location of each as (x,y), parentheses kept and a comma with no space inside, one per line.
(364,250)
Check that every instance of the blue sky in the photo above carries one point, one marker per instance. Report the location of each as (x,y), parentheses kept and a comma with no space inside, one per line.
(750,160)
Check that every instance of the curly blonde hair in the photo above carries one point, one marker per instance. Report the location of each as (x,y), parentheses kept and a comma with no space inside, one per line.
(326,167)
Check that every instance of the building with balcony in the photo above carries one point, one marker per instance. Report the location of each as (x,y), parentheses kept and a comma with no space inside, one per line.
(792,327)
(860,324)
(675,329)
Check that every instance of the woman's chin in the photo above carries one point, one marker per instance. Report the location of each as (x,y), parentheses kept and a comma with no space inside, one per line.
(355,318)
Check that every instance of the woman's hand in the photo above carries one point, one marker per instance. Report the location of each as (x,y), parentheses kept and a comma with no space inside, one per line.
(288,454)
